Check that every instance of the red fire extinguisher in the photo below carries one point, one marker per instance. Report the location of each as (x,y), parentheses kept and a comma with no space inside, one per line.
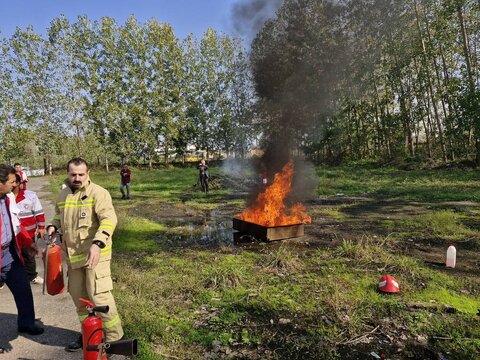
(52,261)
(93,335)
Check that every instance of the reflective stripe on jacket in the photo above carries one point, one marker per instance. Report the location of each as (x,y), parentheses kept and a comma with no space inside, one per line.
(84,216)
(31,212)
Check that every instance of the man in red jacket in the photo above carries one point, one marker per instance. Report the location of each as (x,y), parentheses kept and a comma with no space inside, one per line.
(125,174)
(32,219)
(12,271)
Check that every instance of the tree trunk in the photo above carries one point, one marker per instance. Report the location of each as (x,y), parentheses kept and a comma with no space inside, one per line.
(471,84)
(78,140)
(441,87)
(407,131)
(430,86)
(426,126)
(466,47)
(106,162)
(165,155)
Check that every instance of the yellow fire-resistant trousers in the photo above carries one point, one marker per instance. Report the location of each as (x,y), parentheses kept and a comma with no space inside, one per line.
(96,285)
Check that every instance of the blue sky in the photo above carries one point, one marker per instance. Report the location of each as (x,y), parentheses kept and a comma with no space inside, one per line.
(185,16)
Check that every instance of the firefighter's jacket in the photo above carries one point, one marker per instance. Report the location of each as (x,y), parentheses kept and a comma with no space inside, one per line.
(84,216)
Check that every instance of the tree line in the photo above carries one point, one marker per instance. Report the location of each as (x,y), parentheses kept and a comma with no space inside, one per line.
(338,80)
(373,79)
(125,92)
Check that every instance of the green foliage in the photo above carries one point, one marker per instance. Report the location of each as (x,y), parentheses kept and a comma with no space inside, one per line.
(373,80)
(127,91)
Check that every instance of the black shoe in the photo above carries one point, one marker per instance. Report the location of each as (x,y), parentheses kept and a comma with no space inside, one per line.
(31,330)
(123,197)
(75,345)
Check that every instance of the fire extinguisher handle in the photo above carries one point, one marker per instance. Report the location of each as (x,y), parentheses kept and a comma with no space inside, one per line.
(102,309)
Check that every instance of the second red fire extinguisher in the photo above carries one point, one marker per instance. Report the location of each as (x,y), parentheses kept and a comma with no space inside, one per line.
(93,336)
(52,261)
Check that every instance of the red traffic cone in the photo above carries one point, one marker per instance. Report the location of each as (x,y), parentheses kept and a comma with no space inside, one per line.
(388,284)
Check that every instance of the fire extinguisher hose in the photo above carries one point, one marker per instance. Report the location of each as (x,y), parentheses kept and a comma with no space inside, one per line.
(45,269)
(95,347)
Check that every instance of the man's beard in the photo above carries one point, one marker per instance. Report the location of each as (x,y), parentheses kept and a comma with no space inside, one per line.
(75,185)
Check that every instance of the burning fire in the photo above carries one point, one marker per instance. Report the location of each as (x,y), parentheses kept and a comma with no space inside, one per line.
(269,208)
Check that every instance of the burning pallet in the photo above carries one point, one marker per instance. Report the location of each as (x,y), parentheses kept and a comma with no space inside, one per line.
(268,233)
(269,218)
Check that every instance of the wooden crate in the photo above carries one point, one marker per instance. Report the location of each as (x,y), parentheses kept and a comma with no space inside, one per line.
(268,233)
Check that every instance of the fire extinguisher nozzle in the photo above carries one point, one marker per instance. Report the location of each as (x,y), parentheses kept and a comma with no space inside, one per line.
(122,347)
(102,309)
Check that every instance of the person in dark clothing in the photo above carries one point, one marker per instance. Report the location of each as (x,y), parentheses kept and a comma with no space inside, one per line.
(125,181)
(203,175)
(13,237)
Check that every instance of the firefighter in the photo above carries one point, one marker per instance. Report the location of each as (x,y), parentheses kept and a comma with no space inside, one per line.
(85,217)
(32,218)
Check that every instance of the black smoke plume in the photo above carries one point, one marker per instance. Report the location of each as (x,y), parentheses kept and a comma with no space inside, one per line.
(298,57)
(249,16)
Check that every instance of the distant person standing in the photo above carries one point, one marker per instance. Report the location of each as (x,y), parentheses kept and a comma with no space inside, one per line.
(32,217)
(125,181)
(203,175)
(23,176)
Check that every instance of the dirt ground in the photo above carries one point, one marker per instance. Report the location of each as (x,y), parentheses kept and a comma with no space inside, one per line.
(204,221)
(361,216)
(365,218)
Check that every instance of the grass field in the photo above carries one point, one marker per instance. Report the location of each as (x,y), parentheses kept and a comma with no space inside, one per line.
(186,291)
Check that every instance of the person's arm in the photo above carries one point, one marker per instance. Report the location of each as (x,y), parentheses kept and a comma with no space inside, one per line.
(106,216)
(108,221)
(39,215)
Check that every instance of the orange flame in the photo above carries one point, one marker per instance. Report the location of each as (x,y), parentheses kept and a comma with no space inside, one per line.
(269,208)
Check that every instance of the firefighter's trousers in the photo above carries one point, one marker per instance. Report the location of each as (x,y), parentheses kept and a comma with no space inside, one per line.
(96,285)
